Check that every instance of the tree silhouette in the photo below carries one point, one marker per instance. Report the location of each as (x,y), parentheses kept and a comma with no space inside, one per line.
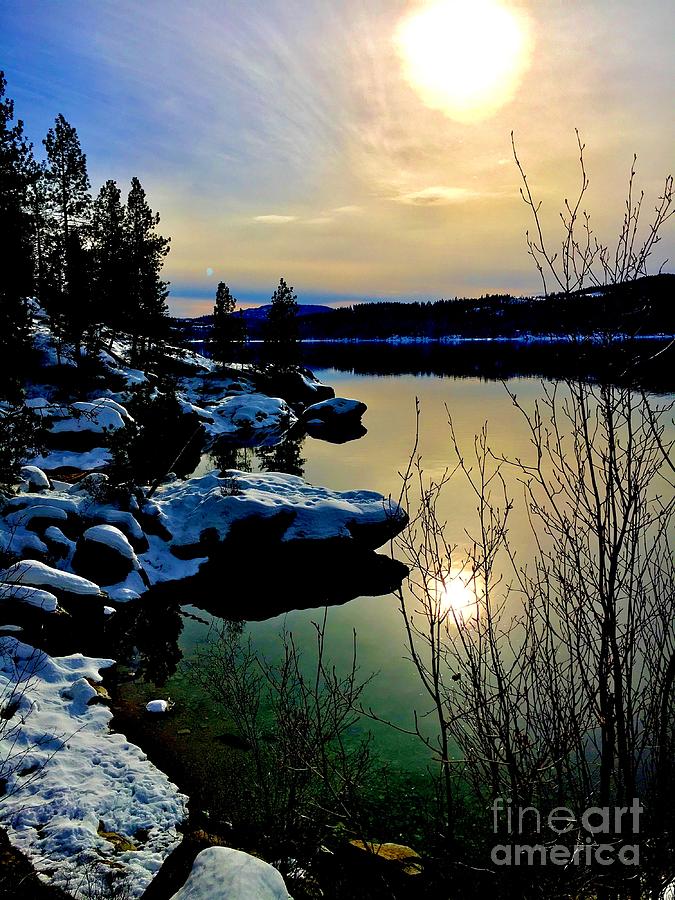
(110,258)
(68,206)
(229,328)
(147,293)
(16,252)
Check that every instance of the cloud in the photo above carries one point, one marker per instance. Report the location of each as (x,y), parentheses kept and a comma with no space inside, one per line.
(437,196)
(348,210)
(275,220)
(319,220)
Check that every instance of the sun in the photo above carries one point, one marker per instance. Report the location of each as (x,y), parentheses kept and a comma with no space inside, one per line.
(464,57)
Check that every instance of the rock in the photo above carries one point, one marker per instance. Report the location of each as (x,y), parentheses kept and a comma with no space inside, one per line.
(35,479)
(37,517)
(104,552)
(160,706)
(336,421)
(295,385)
(102,695)
(222,873)
(37,574)
(405,858)
(119,842)
(331,411)
(250,417)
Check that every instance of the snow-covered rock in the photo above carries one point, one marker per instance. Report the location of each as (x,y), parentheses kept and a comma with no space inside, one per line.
(222,873)
(96,416)
(111,537)
(330,412)
(82,461)
(104,552)
(159,706)
(250,416)
(38,574)
(188,508)
(37,515)
(34,479)
(81,802)
(28,596)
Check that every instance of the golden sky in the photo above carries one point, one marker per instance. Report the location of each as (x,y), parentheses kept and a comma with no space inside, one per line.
(359,148)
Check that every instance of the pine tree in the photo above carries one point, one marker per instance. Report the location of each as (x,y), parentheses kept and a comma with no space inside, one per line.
(145,251)
(282,326)
(229,328)
(110,281)
(16,244)
(68,206)
(66,177)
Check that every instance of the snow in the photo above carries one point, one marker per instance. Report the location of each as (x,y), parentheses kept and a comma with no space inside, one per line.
(118,517)
(38,574)
(244,414)
(85,779)
(189,507)
(86,461)
(39,511)
(30,596)
(34,478)
(97,416)
(222,872)
(112,537)
(109,610)
(337,406)
(159,706)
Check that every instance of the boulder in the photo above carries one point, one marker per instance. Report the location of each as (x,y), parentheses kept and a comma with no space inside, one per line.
(296,385)
(104,553)
(407,860)
(250,418)
(38,574)
(337,420)
(35,479)
(337,409)
(222,873)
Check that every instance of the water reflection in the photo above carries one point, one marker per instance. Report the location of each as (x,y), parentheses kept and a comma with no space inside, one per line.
(285,456)
(456,596)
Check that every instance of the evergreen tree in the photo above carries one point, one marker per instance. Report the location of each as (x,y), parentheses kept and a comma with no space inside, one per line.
(110,281)
(229,327)
(68,207)
(66,177)
(16,250)
(282,325)
(145,251)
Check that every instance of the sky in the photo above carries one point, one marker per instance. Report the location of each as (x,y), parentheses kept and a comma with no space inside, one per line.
(359,148)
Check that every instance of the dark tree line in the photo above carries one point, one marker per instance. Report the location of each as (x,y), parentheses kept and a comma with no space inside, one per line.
(93,263)
(279,329)
(642,306)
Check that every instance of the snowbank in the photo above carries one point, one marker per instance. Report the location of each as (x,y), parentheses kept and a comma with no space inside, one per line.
(82,802)
(232,874)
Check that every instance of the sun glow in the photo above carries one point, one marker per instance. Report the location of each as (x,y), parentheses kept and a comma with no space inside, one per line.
(456,596)
(464,57)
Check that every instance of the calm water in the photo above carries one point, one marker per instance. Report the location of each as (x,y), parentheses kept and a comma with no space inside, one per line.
(374,462)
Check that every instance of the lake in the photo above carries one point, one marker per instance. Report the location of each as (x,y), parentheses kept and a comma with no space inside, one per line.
(375,462)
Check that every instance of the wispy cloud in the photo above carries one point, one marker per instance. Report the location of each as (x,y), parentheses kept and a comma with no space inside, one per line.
(438,196)
(275,220)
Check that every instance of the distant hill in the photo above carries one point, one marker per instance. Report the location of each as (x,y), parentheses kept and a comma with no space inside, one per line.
(260,313)
(644,306)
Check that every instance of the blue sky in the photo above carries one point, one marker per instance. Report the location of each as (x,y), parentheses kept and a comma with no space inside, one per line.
(278,137)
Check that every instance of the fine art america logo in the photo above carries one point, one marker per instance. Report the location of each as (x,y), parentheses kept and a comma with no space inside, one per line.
(602,835)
